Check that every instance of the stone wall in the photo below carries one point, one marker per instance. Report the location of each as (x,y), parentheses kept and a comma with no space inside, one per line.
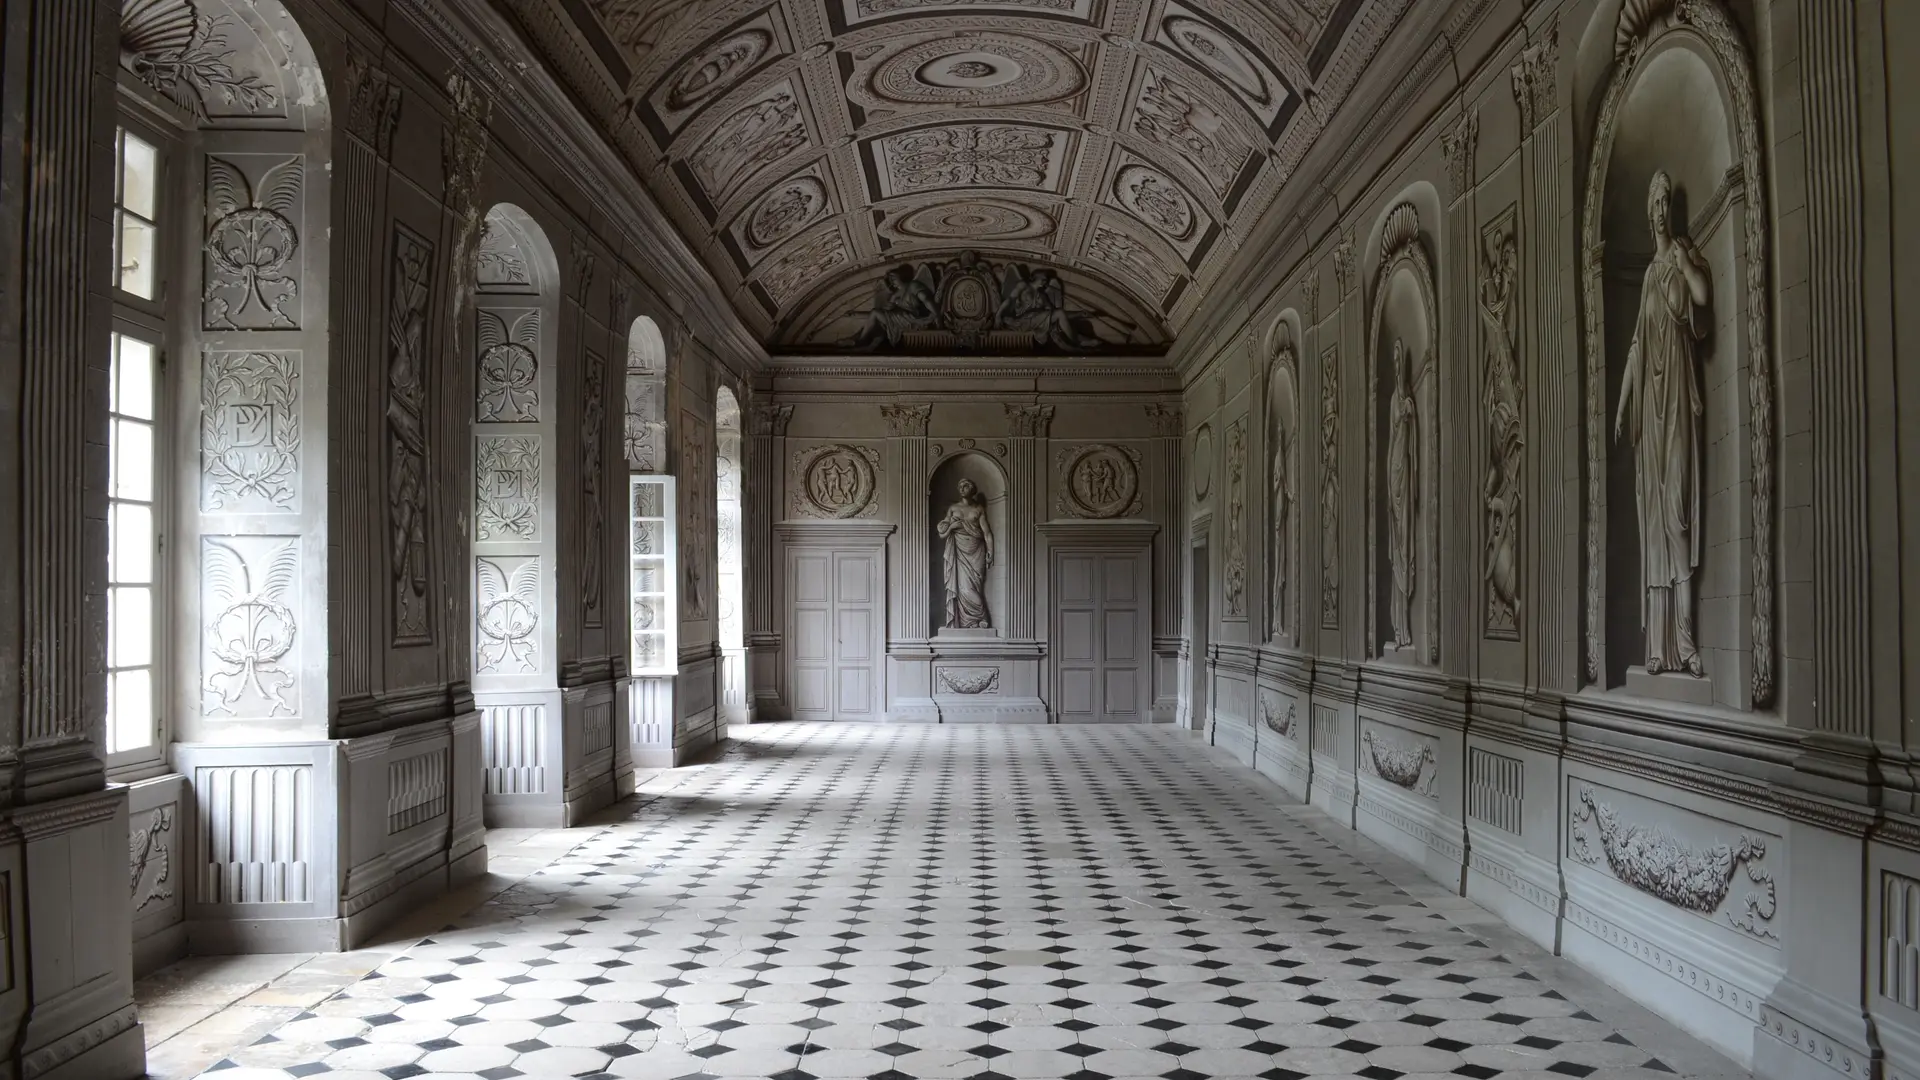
(1614,669)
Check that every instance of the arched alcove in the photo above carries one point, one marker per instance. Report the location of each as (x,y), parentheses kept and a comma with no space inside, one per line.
(977,532)
(651,579)
(1403,444)
(730,583)
(1679,384)
(1284,456)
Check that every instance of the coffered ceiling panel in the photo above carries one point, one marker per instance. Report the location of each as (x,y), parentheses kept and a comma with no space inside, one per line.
(1053,174)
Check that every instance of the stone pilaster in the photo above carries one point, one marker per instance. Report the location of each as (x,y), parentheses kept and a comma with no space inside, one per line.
(766,451)
(1166,497)
(66,958)
(1450,606)
(1027,466)
(910,608)
(1550,532)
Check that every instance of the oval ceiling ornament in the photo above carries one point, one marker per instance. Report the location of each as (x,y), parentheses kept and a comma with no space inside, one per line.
(719,69)
(978,69)
(1151,196)
(785,210)
(973,219)
(1220,56)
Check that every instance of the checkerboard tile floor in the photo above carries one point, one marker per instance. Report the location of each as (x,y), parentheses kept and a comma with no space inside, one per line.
(916,902)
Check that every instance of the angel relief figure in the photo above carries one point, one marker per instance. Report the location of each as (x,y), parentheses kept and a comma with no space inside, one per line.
(901,302)
(1036,302)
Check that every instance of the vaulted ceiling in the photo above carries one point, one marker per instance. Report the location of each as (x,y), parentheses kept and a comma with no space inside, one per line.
(806,146)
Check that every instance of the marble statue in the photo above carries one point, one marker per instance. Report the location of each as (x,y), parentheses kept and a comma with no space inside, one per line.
(1403,479)
(902,301)
(967,556)
(1283,495)
(1660,406)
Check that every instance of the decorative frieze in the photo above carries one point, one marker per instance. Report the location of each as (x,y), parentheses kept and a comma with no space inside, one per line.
(1277,719)
(593,421)
(968,681)
(408,524)
(1652,859)
(1330,488)
(1405,759)
(1502,399)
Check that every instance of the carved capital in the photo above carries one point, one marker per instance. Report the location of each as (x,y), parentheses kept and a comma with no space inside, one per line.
(1533,79)
(1165,421)
(1459,146)
(772,419)
(1310,296)
(373,105)
(584,260)
(907,421)
(1344,277)
(1030,421)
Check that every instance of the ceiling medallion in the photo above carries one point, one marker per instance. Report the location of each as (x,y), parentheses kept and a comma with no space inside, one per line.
(785,210)
(985,219)
(1156,200)
(1220,55)
(721,67)
(978,69)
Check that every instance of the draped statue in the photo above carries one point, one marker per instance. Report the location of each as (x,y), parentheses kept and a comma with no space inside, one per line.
(1660,406)
(1403,484)
(967,557)
(1283,495)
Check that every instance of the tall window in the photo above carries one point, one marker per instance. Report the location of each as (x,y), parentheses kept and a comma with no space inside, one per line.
(135,688)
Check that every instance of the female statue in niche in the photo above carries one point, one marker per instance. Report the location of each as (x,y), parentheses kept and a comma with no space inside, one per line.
(1283,495)
(968,555)
(1403,475)
(1660,395)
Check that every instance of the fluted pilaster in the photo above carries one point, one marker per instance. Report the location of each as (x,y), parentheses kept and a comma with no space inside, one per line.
(909,615)
(1027,460)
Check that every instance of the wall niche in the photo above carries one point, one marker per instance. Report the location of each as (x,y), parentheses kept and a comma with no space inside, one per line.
(967,547)
(1679,390)
(1284,456)
(1403,618)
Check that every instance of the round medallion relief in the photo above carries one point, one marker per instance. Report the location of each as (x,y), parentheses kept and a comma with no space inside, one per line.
(1221,55)
(718,69)
(978,69)
(1101,481)
(839,482)
(974,219)
(1156,200)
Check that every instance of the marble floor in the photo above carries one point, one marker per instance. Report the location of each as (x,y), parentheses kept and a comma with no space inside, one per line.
(917,902)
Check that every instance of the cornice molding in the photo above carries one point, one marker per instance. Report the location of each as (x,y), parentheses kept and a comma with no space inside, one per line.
(524,91)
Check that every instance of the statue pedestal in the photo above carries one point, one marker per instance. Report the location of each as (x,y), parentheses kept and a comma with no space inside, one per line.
(1403,655)
(971,633)
(1670,686)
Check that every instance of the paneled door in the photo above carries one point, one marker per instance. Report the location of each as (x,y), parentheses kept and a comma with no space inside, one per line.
(835,634)
(1101,642)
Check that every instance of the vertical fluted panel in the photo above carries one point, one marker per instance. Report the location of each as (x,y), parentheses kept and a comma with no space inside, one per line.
(1830,97)
(760,483)
(1027,461)
(353,615)
(912,601)
(62,408)
(256,837)
(1167,489)
(1459,615)
(1553,380)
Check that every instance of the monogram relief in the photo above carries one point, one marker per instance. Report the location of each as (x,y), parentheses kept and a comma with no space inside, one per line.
(252,280)
(506,477)
(249,432)
(247,585)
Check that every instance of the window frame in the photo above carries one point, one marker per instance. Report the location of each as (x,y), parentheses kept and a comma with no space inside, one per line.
(146,319)
(668,558)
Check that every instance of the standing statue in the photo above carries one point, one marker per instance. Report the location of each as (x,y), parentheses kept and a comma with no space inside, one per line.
(1403,479)
(1661,393)
(1283,494)
(966,559)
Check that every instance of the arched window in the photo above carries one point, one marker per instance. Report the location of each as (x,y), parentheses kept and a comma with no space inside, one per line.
(651,506)
(217,562)
(731,588)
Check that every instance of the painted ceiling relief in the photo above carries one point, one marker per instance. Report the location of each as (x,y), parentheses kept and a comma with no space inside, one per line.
(822,154)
